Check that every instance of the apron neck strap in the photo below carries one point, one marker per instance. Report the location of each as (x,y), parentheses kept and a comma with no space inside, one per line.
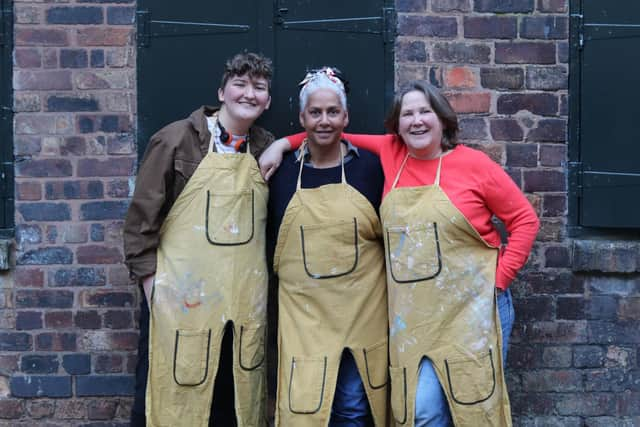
(404,162)
(302,149)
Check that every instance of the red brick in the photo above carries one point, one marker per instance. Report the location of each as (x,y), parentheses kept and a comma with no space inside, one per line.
(427,26)
(71,409)
(502,78)
(101,409)
(106,298)
(552,6)
(544,27)
(11,409)
(104,36)
(554,205)
(544,180)
(28,190)
(28,58)
(411,51)
(460,77)
(27,14)
(26,102)
(506,130)
(522,155)
(121,166)
(44,168)
(38,124)
(26,36)
(490,27)
(50,58)
(103,79)
(552,380)
(108,364)
(549,130)
(473,102)
(43,80)
(471,53)
(56,342)
(75,233)
(39,409)
(122,341)
(119,276)
(29,277)
(525,53)
(451,5)
(58,319)
(629,308)
(94,254)
(544,104)
(87,320)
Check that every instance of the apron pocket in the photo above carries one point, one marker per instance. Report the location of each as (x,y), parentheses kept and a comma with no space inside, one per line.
(376,361)
(230,218)
(471,380)
(251,346)
(413,253)
(330,249)
(306,384)
(399,393)
(191,357)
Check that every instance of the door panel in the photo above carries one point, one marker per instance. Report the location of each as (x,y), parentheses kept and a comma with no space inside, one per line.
(182,47)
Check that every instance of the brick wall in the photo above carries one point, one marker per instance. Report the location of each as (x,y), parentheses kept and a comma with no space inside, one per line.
(574,354)
(67,310)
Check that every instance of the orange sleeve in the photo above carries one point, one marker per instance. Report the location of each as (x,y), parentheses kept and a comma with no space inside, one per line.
(360,140)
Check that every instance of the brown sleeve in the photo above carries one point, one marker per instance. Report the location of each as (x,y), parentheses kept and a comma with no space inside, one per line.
(260,140)
(148,208)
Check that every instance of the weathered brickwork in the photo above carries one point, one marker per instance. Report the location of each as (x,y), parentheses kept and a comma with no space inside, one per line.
(68,324)
(67,310)
(504,65)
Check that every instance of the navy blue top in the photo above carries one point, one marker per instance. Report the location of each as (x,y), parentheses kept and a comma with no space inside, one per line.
(363,172)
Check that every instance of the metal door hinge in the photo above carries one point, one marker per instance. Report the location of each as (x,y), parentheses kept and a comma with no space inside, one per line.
(577,28)
(389,18)
(142,21)
(575,179)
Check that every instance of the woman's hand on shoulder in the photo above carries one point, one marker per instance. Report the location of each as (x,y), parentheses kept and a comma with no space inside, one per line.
(272,157)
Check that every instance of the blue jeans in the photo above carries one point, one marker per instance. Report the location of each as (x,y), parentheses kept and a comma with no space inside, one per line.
(432,409)
(350,404)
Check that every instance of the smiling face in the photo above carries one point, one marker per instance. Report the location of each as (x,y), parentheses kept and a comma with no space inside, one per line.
(324,118)
(419,126)
(245,98)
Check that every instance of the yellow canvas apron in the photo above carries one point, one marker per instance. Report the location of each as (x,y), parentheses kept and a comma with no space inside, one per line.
(332,296)
(441,284)
(211,271)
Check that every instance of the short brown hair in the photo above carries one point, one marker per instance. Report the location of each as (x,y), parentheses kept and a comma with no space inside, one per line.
(440,106)
(254,64)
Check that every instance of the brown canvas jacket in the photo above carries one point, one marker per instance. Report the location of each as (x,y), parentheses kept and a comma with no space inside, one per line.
(171,158)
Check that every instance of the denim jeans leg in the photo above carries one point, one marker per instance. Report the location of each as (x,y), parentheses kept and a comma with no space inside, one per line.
(350,404)
(432,409)
(507,317)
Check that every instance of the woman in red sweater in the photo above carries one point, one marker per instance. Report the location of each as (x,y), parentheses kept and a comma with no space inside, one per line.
(445,262)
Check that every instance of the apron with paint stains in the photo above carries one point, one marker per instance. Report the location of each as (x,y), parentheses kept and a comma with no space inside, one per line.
(211,270)
(441,284)
(332,296)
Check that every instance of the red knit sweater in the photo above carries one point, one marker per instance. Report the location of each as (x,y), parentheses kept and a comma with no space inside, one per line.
(474,183)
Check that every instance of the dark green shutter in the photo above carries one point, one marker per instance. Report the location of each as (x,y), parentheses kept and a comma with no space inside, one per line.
(605,174)
(6,121)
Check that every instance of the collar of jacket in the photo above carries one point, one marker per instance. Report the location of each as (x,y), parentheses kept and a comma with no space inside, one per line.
(198,120)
